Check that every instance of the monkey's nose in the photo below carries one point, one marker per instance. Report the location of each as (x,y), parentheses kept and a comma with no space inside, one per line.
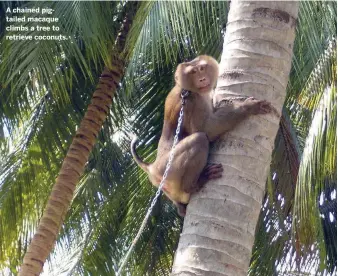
(202,79)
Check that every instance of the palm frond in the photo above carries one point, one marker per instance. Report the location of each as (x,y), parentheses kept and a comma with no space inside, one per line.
(113,191)
(317,171)
(171,33)
(29,69)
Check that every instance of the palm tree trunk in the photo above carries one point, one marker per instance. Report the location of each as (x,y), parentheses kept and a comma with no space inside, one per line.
(77,156)
(219,228)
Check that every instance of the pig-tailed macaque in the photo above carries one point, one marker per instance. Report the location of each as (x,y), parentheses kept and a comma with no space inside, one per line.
(202,124)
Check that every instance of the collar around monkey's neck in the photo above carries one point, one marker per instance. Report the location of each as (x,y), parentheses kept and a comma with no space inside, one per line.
(184,95)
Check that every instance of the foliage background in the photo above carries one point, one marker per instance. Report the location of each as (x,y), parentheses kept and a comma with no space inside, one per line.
(45,88)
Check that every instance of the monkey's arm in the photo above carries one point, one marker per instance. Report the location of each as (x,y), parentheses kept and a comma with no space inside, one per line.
(225,118)
(171,113)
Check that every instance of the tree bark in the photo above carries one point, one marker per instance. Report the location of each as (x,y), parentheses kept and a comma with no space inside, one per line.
(219,227)
(77,156)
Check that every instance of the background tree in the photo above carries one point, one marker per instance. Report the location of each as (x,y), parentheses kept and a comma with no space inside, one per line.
(73,165)
(41,121)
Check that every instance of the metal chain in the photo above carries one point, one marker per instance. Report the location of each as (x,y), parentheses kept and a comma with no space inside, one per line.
(184,95)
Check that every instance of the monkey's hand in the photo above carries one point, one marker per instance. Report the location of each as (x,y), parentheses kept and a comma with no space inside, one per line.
(211,171)
(255,106)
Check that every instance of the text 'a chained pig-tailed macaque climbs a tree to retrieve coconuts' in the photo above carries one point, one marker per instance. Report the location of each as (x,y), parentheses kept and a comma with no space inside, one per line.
(202,123)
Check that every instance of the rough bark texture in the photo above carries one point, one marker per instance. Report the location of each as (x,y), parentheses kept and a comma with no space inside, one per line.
(219,228)
(76,158)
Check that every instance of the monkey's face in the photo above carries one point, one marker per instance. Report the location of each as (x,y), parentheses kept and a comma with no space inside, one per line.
(199,75)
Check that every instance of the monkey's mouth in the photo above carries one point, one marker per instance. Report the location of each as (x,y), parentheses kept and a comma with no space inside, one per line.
(205,87)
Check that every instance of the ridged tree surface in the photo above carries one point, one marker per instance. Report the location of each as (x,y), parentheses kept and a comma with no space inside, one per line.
(219,228)
(77,156)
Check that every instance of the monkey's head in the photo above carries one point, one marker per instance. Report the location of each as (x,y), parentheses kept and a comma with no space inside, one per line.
(199,75)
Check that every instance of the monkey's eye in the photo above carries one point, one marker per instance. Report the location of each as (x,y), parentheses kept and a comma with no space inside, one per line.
(202,68)
(193,71)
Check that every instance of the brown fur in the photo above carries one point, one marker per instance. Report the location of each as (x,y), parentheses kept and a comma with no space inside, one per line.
(202,123)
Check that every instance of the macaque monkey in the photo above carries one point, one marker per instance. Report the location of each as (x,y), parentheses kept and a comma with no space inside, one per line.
(202,124)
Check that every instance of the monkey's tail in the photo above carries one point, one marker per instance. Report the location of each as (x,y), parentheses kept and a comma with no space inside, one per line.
(138,160)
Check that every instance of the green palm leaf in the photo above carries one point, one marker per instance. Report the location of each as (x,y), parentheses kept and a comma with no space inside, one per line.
(42,106)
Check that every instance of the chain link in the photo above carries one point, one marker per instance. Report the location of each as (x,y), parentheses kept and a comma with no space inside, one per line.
(184,95)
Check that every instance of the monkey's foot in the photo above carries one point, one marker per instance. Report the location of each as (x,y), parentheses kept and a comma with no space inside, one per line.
(181,208)
(211,171)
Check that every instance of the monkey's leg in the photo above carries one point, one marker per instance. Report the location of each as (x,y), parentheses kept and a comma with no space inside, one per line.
(190,160)
(191,156)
